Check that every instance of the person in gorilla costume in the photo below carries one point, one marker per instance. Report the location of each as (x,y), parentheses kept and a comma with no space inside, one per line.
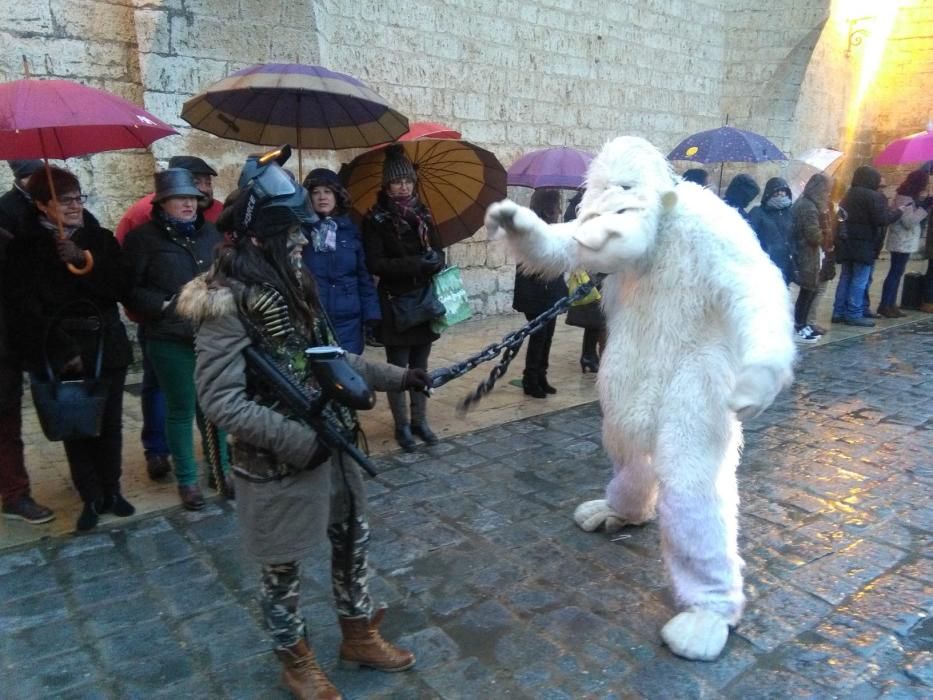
(700,339)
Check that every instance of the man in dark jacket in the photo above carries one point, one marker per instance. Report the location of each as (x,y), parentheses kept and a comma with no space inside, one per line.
(740,193)
(14,481)
(859,239)
(16,210)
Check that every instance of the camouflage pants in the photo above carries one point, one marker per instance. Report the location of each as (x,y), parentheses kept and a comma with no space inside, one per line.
(280,589)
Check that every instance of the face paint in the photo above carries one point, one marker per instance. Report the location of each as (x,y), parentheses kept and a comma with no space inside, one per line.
(296,245)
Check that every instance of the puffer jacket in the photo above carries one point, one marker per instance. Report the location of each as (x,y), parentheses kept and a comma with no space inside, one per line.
(904,234)
(867,214)
(344,284)
(284,519)
(773,228)
(160,261)
(740,192)
(808,234)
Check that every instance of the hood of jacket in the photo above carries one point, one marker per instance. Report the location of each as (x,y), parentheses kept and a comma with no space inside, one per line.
(867,177)
(741,191)
(202,299)
(817,189)
(772,187)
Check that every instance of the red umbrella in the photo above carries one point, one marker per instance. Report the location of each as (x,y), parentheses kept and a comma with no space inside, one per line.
(428,130)
(61,119)
(910,149)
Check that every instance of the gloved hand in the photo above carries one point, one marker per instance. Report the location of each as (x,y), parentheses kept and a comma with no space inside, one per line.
(430,264)
(416,379)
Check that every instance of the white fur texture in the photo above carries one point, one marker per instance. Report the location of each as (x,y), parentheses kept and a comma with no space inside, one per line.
(700,337)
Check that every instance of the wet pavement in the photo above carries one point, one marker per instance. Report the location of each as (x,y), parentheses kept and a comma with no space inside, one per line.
(500,595)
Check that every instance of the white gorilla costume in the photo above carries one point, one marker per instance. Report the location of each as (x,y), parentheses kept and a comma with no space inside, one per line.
(700,337)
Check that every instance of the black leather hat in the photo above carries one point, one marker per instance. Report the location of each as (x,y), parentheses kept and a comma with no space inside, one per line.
(175,182)
(192,164)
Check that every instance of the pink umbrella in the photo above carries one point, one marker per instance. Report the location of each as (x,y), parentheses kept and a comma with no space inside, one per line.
(910,149)
(61,119)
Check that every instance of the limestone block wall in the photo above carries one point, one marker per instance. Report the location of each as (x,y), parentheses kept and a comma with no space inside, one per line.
(510,76)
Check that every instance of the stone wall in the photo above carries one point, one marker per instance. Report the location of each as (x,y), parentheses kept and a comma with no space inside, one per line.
(511,76)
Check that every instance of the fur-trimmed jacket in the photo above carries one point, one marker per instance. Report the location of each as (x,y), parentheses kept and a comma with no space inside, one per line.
(284,518)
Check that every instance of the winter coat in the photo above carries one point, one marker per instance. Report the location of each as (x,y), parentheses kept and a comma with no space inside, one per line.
(160,261)
(11,373)
(867,213)
(740,192)
(904,234)
(808,233)
(774,229)
(38,285)
(535,295)
(394,255)
(16,211)
(344,284)
(281,520)
(140,212)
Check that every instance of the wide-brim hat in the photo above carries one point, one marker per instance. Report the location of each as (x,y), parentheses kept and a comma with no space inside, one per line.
(175,182)
(192,164)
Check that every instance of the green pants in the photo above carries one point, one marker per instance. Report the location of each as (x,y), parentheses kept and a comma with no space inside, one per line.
(174,366)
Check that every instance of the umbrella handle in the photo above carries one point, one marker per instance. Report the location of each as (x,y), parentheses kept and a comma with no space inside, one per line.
(88,265)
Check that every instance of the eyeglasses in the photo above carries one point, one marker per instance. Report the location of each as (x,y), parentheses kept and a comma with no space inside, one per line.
(80,198)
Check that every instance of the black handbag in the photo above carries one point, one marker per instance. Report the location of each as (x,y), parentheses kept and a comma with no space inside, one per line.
(415,307)
(71,409)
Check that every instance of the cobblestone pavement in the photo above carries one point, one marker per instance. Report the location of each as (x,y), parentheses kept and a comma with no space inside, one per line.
(500,595)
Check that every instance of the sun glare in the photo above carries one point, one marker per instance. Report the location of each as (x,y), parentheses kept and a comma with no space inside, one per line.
(865,26)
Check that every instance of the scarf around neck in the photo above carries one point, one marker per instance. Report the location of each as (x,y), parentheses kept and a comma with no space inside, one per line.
(411,211)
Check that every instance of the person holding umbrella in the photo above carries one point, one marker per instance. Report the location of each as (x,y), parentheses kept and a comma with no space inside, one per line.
(53,291)
(403,251)
(336,260)
(162,255)
(904,237)
(532,296)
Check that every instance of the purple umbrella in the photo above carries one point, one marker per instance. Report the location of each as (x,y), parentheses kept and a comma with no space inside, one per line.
(726,144)
(550,167)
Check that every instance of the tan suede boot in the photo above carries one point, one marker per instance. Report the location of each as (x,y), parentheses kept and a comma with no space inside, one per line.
(363,646)
(302,675)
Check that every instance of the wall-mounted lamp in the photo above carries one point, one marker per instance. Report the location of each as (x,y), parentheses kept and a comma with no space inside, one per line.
(858,30)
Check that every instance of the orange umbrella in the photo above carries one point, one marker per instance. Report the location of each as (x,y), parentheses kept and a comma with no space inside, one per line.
(456,182)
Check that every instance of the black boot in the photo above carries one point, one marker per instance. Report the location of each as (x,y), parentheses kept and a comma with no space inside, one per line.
(88,518)
(531,383)
(589,356)
(404,438)
(548,389)
(419,418)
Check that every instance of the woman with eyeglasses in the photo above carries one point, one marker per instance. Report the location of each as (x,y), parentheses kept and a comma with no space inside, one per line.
(62,282)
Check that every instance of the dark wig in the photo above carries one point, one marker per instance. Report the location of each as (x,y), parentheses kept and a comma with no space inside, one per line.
(267,263)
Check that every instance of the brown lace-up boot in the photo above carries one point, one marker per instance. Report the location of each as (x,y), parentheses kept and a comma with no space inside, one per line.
(302,675)
(363,646)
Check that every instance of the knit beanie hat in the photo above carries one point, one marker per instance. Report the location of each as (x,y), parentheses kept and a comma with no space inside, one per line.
(397,165)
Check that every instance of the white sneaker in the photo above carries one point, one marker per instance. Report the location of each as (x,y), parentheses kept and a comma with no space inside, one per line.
(815,333)
(805,335)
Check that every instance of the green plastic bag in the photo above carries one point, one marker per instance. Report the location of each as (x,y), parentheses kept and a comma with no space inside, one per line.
(449,289)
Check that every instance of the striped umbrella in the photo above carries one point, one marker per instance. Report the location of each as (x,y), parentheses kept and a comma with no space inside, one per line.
(456,182)
(309,106)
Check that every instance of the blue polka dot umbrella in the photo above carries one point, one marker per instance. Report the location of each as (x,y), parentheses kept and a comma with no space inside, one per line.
(726,144)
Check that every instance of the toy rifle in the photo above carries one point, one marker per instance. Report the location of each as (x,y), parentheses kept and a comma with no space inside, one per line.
(339,382)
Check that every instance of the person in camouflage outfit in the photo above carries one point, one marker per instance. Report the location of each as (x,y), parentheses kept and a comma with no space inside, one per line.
(291,490)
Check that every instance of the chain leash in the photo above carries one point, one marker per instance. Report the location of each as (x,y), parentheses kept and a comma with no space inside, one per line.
(510,344)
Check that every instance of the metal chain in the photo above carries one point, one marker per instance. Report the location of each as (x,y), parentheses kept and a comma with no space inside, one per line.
(510,343)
